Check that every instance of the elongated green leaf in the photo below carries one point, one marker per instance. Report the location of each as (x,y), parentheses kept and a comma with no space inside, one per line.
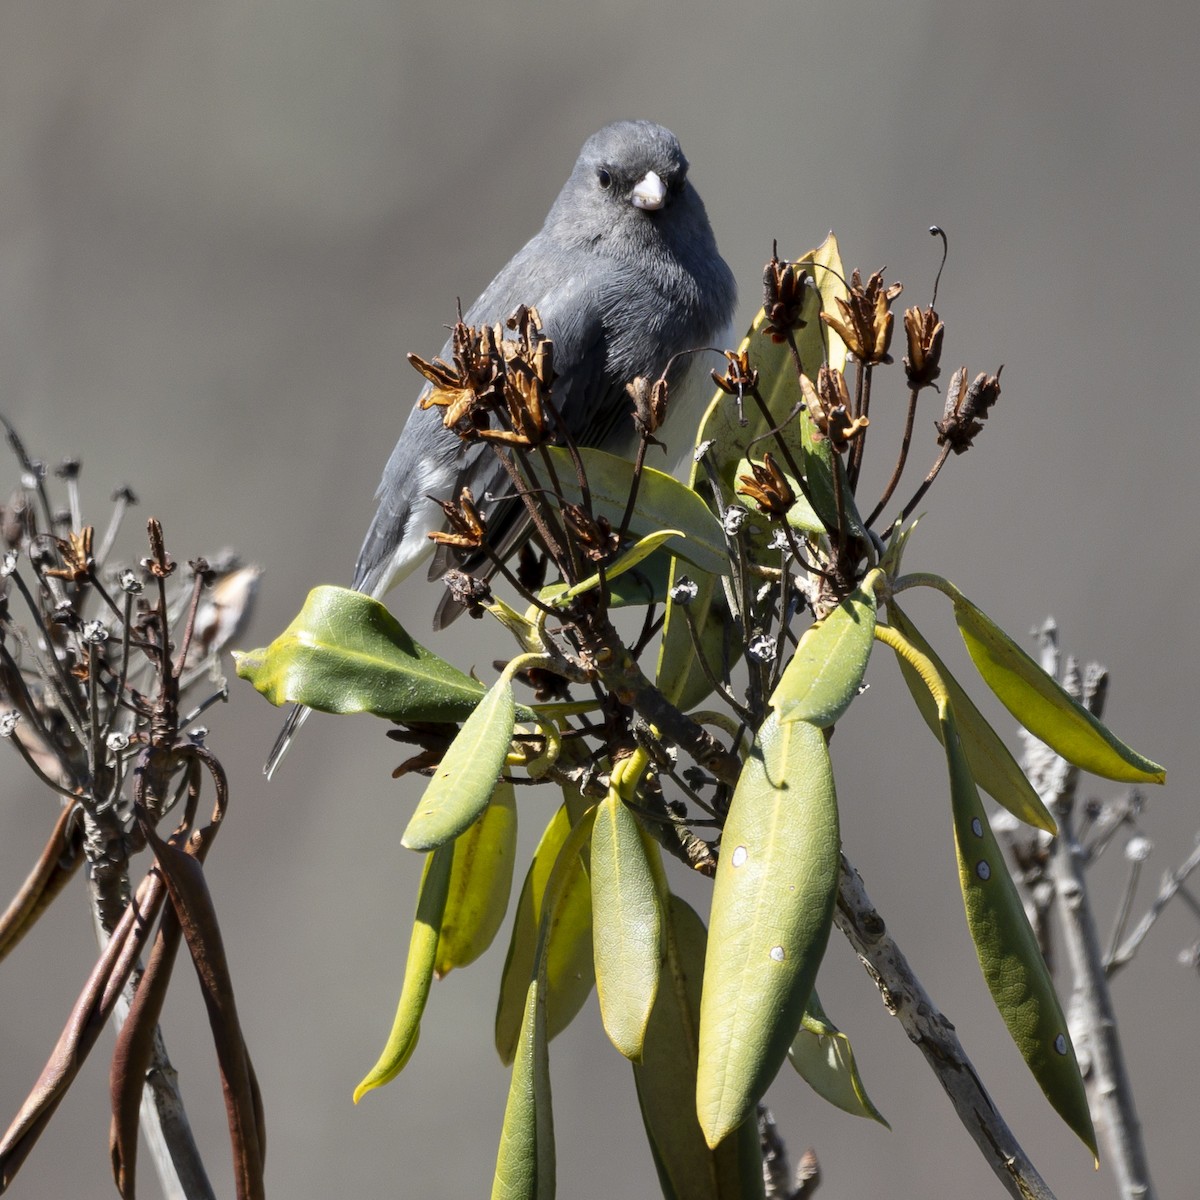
(771,912)
(1008,952)
(418,973)
(827,670)
(822,1055)
(480,881)
(625,561)
(661,500)
(992,765)
(464,782)
(666,1080)
(1043,707)
(345,653)
(646,584)
(569,968)
(626,926)
(525,1161)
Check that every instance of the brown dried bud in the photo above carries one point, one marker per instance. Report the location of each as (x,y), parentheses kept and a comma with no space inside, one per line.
(785,288)
(469,385)
(466,523)
(595,536)
(828,403)
(924,332)
(768,488)
(866,321)
(75,550)
(740,377)
(966,408)
(649,405)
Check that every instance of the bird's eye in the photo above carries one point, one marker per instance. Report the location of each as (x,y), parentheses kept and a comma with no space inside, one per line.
(604,178)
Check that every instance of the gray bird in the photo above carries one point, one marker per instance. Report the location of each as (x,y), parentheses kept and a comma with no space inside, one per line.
(625,274)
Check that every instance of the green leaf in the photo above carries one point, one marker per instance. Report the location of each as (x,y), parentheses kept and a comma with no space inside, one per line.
(647,584)
(418,973)
(1008,952)
(666,1080)
(771,912)
(626,925)
(661,500)
(992,765)
(345,653)
(827,670)
(625,561)
(822,1055)
(480,881)
(525,1161)
(569,968)
(1043,707)
(464,782)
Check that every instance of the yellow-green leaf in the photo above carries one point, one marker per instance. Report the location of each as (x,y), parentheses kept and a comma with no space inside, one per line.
(827,670)
(465,779)
(822,1055)
(1043,707)
(771,913)
(626,925)
(1008,952)
(525,1161)
(666,1080)
(992,765)
(418,972)
(569,968)
(625,561)
(345,653)
(480,881)
(680,677)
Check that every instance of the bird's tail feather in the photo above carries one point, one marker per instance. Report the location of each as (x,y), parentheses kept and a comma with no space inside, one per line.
(298,715)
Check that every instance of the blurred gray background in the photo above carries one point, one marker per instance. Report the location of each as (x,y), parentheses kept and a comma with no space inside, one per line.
(222,226)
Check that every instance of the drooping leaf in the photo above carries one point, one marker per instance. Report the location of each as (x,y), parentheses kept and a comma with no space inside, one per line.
(827,670)
(626,925)
(666,1080)
(662,501)
(466,778)
(345,653)
(525,1163)
(1043,707)
(771,913)
(1008,951)
(992,765)
(418,972)
(569,967)
(822,1055)
(480,881)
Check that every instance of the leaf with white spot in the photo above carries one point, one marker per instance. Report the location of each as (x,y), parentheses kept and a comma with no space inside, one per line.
(772,908)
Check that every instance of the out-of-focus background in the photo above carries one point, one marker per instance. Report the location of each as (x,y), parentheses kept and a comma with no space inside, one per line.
(221,228)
